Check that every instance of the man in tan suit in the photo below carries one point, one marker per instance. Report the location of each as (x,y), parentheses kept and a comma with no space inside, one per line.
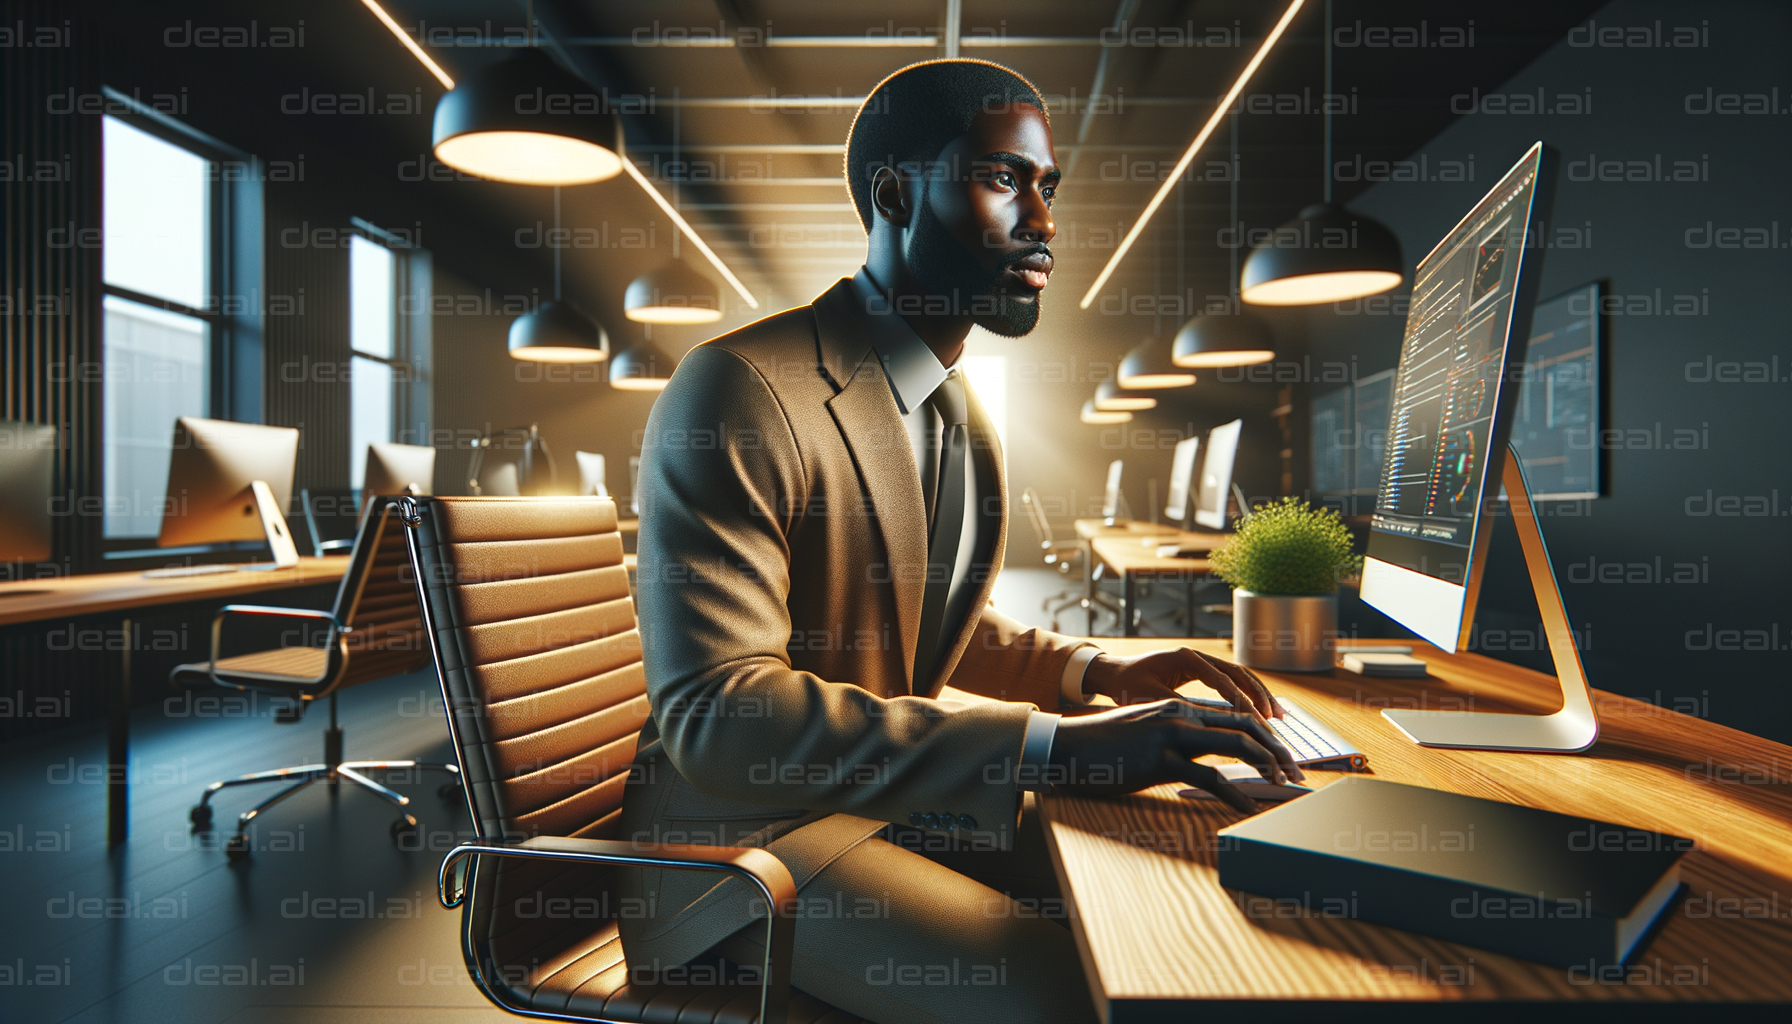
(823,514)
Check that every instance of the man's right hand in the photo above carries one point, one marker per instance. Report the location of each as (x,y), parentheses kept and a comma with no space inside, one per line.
(1142,745)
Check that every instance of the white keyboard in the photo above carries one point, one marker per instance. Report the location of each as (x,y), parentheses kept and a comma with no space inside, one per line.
(1311,742)
(190,570)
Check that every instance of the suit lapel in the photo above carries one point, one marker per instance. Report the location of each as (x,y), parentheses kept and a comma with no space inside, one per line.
(872,426)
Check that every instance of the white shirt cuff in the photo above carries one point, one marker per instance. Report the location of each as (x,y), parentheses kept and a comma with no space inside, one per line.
(1071,687)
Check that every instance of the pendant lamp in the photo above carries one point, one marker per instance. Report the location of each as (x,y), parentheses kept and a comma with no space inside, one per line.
(643,366)
(1096,417)
(1148,365)
(1111,397)
(524,119)
(1235,338)
(1327,254)
(558,331)
(672,293)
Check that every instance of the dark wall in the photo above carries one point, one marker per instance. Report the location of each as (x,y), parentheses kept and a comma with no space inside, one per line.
(1717,368)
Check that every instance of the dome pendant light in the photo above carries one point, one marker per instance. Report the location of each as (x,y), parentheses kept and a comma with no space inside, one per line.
(1327,254)
(642,366)
(1237,338)
(1095,417)
(513,121)
(558,331)
(672,293)
(1110,397)
(1148,365)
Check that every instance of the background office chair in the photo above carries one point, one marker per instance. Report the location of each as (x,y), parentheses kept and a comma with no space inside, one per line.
(1065,557)
(373,631)
(526,603)
(331,518)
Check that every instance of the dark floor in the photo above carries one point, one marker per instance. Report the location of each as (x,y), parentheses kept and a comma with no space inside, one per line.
(328,921)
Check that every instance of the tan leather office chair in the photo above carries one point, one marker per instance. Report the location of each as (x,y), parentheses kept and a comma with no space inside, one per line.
(526,604)
(373,631)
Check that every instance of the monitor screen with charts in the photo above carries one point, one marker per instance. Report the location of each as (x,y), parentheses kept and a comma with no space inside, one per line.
(1452,403)
(1182,476)
(1216,474)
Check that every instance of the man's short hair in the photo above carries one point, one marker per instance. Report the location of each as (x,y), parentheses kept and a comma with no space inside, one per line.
(917,111)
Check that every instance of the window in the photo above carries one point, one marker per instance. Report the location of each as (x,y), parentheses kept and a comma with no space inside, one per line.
(158,346)
(988,377)
(374,368)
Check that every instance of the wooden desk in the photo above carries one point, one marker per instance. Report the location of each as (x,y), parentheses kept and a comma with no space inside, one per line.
(111,597)
(1161,940)
(1132,559)
(1090,529)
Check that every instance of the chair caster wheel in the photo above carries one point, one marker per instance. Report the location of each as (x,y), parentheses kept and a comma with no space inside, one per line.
(237,847)
(201,817)
(449,790)
(402,828)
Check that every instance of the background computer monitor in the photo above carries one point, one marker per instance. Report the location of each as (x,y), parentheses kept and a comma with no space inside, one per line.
(398,469)
(27,471)
(591,474)
(1216,475)
(211,472)
(1182,474)
(1452,407)
(1110,498)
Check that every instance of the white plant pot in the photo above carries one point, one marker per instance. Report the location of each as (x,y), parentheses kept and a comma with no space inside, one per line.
(1287,633)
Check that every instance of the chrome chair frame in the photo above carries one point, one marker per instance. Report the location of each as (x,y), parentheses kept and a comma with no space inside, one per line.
(332,769)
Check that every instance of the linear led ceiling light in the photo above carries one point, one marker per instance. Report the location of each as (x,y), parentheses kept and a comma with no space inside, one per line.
(1188,155)
(410,44)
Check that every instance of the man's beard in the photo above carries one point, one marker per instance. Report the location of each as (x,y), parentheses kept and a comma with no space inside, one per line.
(947,271)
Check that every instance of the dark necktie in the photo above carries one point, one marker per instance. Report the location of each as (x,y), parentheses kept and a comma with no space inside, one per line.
(952,440)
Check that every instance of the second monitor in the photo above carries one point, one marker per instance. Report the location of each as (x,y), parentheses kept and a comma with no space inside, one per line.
(398,469)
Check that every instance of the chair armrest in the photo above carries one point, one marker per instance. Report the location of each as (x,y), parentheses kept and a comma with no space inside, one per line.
(332,664)
(759,868)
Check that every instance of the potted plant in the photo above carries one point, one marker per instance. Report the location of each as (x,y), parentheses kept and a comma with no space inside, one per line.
(1284,565)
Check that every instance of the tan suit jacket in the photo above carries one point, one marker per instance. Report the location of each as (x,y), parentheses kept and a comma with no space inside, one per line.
(782,559)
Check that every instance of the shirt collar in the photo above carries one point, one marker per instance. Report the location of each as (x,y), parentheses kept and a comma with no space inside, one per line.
(910,366)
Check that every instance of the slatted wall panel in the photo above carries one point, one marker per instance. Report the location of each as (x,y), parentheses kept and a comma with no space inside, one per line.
(305,362)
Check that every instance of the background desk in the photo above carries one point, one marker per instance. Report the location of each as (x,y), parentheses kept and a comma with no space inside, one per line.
(105,601)
(1131,559)
(1161,940)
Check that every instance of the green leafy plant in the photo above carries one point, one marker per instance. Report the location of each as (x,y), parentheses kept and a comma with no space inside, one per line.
(1288,547)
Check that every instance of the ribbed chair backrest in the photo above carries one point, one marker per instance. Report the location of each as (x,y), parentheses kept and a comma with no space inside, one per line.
(379,602)
(539,657)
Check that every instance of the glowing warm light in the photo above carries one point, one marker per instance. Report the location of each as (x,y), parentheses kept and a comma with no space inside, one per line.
(558,354)
(410,44)
(1311,289)
(1127,403)
(1188,155)
(673,314)
(640,383)
(1092,415)
(1144,381)
(529,158)
(1238,357)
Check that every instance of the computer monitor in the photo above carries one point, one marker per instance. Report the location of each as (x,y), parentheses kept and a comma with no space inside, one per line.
(591,474)
(398,469)
(27,472)
(230,482)
(1110,498)
(1182,475)
(1216,475)
(1447,454)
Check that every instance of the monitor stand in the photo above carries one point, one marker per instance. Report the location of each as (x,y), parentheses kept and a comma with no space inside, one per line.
(273,526)
(1570,730)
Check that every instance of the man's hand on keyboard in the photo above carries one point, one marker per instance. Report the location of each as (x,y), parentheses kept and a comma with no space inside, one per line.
(1155,676)
(1131,748)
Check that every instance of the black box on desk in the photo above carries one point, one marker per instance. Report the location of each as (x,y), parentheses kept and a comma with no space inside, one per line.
(1551,888)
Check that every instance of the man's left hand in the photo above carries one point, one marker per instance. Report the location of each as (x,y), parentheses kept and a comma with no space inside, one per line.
(1155,676)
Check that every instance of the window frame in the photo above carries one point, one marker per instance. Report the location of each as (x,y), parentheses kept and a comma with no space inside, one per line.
(233,234)
(409,358)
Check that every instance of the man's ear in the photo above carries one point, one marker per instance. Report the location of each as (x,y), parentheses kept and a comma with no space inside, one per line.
(889,200)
